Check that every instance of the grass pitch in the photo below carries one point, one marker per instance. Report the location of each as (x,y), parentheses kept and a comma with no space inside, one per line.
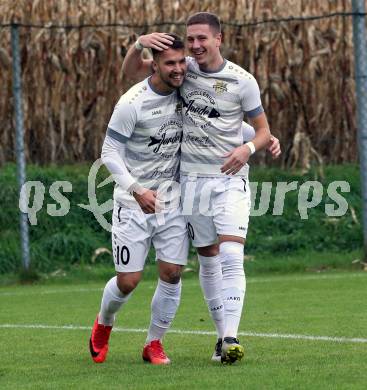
(44,333)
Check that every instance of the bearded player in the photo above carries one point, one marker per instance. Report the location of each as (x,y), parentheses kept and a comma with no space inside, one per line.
(146,200)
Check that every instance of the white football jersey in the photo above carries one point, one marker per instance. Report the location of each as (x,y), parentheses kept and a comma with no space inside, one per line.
(213,107)
(150,124)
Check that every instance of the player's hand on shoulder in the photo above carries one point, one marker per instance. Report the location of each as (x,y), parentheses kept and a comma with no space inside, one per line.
(158,41)
(147,200)
(274,147)
(236,159)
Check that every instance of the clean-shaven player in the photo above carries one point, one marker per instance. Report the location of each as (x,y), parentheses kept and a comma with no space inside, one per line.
(141,150)
(216,94)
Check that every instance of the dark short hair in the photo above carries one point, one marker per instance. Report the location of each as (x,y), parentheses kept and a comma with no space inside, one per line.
(177,44)
(205,18)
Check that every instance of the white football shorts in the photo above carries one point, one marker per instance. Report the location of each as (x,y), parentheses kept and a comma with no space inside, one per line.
(215,205)
(133,232)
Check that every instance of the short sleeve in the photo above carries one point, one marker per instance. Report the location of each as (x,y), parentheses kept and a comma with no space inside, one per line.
(123,120)
(250,96)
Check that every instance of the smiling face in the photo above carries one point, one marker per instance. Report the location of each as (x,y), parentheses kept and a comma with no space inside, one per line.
(170,68)
(203,44)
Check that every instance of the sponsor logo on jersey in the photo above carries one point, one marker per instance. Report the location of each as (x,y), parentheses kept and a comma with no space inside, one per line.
(200,106)
(220,87)
(156,112)
(167,173)
(164,141)
(233,298)
(198,141)
(201,95)
(203,111)
(242,228)
(191,76)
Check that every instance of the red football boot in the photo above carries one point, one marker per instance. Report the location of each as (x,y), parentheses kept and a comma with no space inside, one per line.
(154,353)
(98,342)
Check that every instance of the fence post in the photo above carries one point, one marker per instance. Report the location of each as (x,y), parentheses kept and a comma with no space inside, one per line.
(360,55)
(19,134)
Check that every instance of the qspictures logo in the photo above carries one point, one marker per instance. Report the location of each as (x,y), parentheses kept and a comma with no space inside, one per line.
(310,194)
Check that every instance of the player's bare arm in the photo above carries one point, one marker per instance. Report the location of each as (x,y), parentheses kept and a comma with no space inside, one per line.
(248,133)
(134,66)
(239,156)
(262,132)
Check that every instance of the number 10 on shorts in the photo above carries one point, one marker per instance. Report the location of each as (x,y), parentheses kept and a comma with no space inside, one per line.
(122,255)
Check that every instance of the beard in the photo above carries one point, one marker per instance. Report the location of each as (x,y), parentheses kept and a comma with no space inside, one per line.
(170,82)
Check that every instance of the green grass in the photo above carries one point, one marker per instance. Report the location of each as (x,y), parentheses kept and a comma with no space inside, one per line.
(260,264)
(324,304)
(69,242)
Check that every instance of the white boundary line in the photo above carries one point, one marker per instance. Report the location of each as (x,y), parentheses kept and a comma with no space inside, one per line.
(46,292)
(250,280)
(194,332)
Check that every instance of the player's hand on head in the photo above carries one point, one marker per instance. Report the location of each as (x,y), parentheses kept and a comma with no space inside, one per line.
(158,41)
(236,159)
(274,147)
(148,201)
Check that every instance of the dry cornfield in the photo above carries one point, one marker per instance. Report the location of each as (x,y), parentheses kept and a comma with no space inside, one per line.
(72,77)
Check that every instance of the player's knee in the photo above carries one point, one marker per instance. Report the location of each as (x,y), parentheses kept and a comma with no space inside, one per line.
(209,251)
(209,266)
(232,258)
(127,286)
(233,268)
(127,282)
(170,273)
(228,238)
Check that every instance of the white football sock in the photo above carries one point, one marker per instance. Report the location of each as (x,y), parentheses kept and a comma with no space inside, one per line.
(164,306)
(210,276)
(234,285)
(112,300)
